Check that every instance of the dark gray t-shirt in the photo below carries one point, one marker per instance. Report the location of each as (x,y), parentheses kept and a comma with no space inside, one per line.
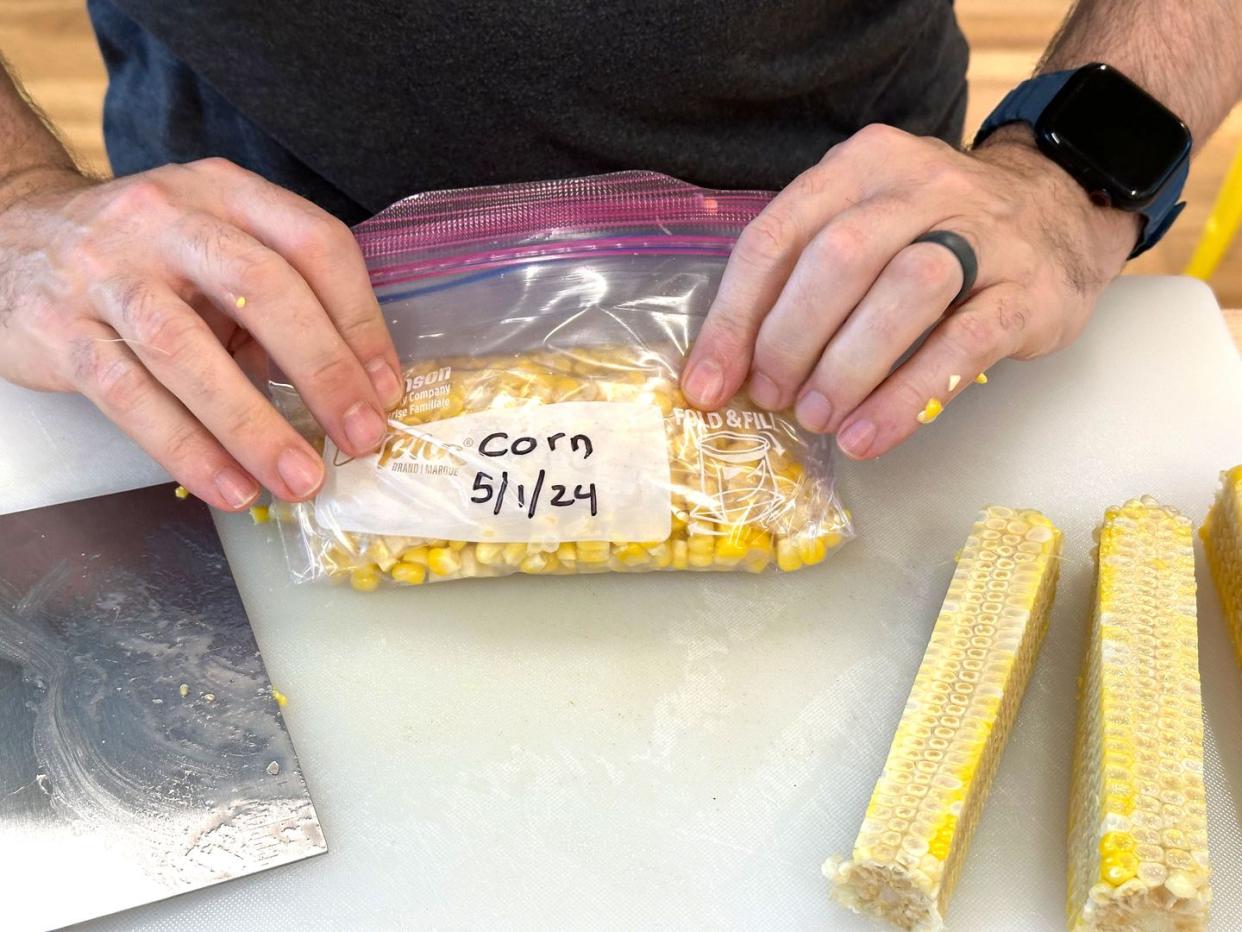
(355,104)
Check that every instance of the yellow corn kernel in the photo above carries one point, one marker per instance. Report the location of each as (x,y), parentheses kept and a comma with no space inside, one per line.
(566,388)
(442,561)
(631,554)
(681,555)
(761,541)
(514,554)
(757,561)
(378,553)
(260,514)
(414,555)
(281,699)
(1222,541)
(593,551)
(365,578)
(534,563)
(662,555)
(1138,856)
(903,869)
(982,378)
(411,574)
(787,557)
(731,548)
(701,543)
(812,550)
(181,492)
(490,554)
(567,554)
(930,411)
(457,545)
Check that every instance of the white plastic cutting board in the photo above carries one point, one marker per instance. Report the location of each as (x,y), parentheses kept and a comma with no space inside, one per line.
(684,751)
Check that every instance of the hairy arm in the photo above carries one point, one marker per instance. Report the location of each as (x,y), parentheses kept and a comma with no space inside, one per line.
(30,152)
(1186,54)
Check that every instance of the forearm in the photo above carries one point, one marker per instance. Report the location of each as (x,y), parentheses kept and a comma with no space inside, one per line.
(1183,53)
(29,149)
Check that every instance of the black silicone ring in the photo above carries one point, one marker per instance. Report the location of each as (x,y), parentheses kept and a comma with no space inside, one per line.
(964,254)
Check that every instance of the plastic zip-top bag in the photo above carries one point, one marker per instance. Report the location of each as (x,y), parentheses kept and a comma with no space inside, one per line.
(543,328)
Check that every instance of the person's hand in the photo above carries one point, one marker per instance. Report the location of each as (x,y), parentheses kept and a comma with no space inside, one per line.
(824,295)
(150,295)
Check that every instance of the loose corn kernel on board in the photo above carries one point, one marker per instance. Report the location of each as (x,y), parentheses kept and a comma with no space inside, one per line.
(683,750)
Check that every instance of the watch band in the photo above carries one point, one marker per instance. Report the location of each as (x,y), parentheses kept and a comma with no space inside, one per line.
(1029,99)
(1024,103)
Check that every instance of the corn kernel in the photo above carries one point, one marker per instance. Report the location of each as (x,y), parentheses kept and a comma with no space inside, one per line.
(730,549)
(534,563)
(812,550)
(414,555)
(260,514)
(411,574)
(365,578)
(515,554)
(181,492)
(442,561)
(904,869)
(787,557)
(490,554)
(930,411)
(593,551)
(631,554)
(681,555)
(378,553)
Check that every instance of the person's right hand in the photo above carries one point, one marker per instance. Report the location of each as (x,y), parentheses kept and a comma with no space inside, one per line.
(150,294)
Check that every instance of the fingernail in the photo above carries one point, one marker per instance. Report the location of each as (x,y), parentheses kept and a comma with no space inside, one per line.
(364,427)
(763,391)
(703,383)
(236,488)
(300,472)
(813,411)
(857,438)
(385,382)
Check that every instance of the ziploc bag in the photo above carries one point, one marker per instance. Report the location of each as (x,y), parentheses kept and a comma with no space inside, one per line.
(543,328)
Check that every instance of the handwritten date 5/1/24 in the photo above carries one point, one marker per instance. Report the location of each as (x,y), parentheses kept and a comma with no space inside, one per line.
(486,490)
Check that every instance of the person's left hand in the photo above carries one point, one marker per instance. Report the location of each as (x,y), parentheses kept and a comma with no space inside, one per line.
(824,293)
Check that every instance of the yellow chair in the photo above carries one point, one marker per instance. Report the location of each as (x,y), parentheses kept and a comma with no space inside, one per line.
(1222,224)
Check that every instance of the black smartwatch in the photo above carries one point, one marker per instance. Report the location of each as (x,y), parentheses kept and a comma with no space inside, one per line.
(1122,145)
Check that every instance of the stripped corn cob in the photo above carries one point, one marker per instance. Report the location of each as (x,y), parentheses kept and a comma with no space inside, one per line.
(965,697)
(1138,823)
(1222,539)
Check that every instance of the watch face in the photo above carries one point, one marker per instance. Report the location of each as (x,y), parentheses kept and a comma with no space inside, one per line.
(1113,136)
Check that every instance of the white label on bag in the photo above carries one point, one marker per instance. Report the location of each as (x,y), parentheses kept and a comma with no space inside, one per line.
(576,470)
